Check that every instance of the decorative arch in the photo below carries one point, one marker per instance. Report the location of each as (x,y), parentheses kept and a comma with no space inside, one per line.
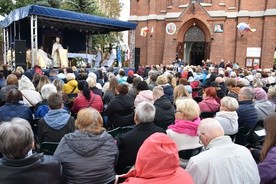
(185,27)
(197,48)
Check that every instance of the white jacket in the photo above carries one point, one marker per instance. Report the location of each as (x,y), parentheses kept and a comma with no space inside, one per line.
(224,162)
(228,121)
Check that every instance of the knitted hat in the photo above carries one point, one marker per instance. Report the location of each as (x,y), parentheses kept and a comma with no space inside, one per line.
(260,94)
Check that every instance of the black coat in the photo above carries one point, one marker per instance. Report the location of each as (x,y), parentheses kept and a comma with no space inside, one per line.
(164,115)
(37,168)
(130,143)
(48,134)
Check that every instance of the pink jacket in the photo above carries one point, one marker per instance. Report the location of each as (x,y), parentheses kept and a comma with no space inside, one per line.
(145,95)
(158,162)
(209,104)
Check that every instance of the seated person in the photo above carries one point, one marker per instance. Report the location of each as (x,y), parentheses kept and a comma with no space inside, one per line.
(227,116)
(209,102)
(15,108)
(158,162)
(56,123)
(130,142)
(42,108)
(122,105)
(184,129)
(19,164)
(223,161)
(267,165)
(164,107)
(88,155)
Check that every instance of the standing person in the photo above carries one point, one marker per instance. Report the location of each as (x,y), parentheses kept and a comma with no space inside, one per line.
(98,58)
(223,161)
(55,52)
(19,164)
(88,155)
(267,165)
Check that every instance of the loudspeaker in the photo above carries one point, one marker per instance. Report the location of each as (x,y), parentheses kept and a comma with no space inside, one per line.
(137,59)
(20,53)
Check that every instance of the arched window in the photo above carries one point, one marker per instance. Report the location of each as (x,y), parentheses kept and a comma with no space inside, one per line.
(194,34)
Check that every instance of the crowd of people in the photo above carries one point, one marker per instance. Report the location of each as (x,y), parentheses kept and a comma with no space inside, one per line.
(189,124)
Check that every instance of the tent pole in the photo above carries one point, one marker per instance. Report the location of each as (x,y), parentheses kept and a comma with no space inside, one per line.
(34,39)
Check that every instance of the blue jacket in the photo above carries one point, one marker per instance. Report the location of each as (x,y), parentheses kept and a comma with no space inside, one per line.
(247,120)
(12,110)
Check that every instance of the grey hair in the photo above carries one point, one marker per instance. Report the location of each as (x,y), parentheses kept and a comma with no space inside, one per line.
(16,138)
(211,128)
(47,89)
(145,112)
(157,92)
(91,82)
(230,103)
(271,91)
(248,93)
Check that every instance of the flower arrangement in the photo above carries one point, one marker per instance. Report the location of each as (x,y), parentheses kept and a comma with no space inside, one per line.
(80,62)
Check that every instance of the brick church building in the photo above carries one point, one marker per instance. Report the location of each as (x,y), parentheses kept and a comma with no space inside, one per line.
(196,30)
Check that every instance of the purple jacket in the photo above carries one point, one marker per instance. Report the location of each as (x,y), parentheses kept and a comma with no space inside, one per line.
(267,168)
(209,105)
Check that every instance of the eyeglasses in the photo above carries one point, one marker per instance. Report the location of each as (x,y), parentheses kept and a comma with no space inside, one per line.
(176,111)
(199,136)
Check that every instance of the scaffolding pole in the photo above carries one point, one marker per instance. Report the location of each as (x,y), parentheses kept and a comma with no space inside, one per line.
(34,39)
(5,44)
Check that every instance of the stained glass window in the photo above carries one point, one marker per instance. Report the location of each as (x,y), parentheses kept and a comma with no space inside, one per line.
(194,34)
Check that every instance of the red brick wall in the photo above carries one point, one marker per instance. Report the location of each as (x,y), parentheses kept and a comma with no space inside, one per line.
(159,47)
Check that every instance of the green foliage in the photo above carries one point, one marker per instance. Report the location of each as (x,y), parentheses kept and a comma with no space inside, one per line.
(7,5)
(83,6)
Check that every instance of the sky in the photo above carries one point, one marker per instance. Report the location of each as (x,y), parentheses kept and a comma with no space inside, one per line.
(124,16)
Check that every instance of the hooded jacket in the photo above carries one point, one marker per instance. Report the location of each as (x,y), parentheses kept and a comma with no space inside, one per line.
(158,162)
(209,104)
(54,125)
(87,157)
(228,121)
(264,108)
(30,96)
(164,115)
(145,95)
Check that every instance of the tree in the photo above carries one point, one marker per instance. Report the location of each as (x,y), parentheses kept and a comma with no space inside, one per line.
(8,5)
(83,6)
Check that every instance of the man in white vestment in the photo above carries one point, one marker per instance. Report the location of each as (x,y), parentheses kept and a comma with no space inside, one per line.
(98,58)
(59,54)
(43,60)
(112,57)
